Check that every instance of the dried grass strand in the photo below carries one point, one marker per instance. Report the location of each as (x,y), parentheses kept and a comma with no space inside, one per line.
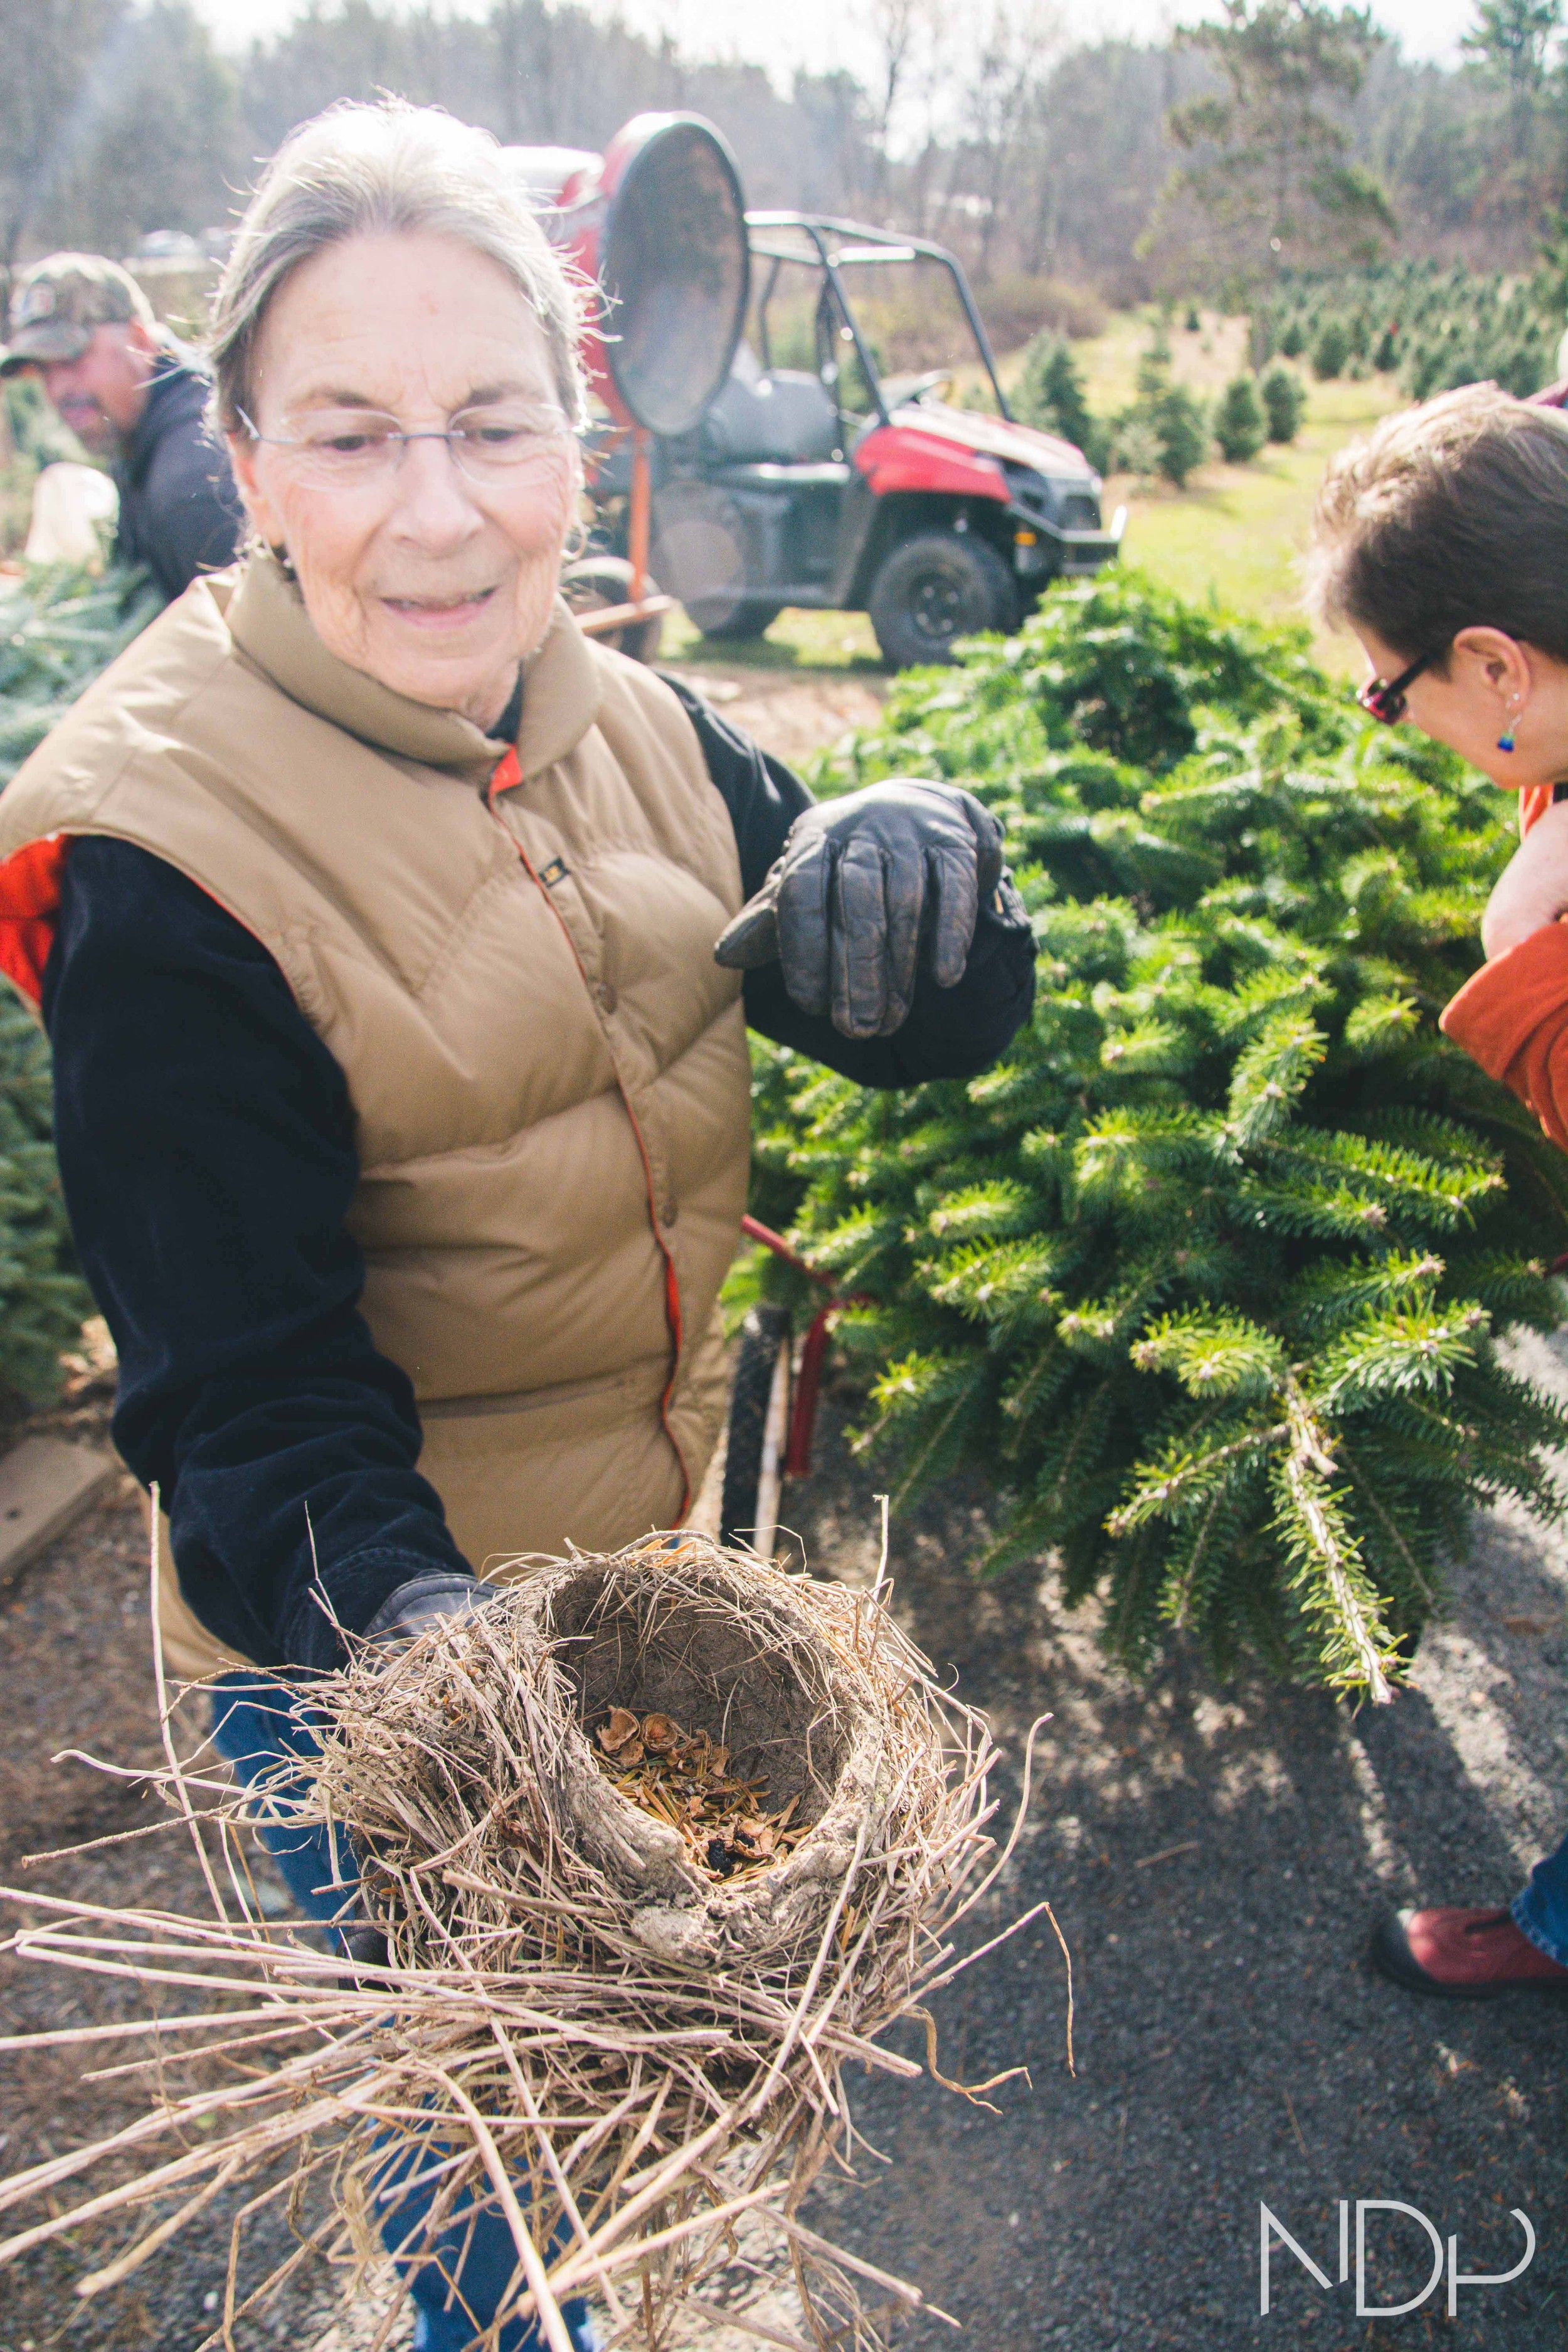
(576,2027)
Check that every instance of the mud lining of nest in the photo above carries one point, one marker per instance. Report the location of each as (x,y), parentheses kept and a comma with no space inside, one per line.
(618,2052)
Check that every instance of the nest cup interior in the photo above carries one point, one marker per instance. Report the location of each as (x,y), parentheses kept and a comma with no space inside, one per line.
(717,1659)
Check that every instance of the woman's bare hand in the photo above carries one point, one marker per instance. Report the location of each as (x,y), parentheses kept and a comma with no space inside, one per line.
(1533,889)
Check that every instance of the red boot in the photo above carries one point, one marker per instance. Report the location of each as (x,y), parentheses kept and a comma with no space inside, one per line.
(1462,1955)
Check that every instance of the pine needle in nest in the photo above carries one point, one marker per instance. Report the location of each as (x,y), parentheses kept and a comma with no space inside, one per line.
(658,1843)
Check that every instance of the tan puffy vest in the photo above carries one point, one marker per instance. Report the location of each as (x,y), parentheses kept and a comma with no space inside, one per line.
(513,966)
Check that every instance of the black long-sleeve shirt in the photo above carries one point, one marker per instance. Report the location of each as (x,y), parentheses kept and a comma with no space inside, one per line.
(207,1147)
(179,510)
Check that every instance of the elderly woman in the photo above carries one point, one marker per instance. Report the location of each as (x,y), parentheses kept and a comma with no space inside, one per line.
(402,1101)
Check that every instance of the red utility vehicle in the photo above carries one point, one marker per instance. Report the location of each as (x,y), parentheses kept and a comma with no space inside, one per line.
(757,453)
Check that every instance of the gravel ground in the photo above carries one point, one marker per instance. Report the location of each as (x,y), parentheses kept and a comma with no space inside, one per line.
(1214,1857)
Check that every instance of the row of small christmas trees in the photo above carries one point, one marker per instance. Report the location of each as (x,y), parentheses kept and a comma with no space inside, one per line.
(1435,328)
(1167,430)
(1209,1273)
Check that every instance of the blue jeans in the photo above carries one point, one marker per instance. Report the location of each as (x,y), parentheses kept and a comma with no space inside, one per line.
(1541,1911)
(255,1728)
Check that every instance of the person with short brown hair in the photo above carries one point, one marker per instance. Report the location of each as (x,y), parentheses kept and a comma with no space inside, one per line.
(1441,543)
(135,398)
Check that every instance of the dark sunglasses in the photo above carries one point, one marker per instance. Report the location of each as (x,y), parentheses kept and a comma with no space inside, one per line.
(1384,699)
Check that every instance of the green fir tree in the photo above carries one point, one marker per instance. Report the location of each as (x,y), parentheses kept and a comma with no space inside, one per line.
(1209,1274)
(1049,394)
(1239,426)
(1284,403)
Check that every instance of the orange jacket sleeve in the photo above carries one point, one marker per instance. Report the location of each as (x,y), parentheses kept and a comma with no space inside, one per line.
(1512,1016)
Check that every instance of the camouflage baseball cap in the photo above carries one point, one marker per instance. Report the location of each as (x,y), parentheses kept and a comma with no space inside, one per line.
(56,305)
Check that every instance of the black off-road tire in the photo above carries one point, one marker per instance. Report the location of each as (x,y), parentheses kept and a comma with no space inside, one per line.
(730,621)
(593,584)
(764,1335)
(933,590)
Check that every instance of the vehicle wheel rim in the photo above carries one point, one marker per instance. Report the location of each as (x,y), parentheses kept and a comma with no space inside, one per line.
(937,608)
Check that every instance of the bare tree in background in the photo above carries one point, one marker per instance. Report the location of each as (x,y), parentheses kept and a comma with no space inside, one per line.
(1013,50)
(50,49)
(1510,42)
(902,31)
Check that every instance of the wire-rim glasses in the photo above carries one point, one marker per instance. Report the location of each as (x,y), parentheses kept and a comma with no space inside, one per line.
(350,448)
(1384,699)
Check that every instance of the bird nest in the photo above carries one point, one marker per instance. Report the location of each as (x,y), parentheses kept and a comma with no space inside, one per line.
(617,1992)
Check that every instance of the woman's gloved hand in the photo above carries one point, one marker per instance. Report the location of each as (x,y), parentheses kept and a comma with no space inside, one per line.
(403,1616)
(869,889)
(420,1603)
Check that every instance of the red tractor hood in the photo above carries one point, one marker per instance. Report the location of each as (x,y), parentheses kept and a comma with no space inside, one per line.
(988,437)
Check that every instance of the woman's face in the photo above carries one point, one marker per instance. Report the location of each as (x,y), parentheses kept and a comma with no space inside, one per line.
(1493,686)
(435,579)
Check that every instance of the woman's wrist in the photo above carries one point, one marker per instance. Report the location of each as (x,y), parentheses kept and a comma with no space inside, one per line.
(1532,890)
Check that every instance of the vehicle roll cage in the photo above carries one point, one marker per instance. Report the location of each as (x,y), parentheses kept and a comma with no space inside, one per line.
(828,245)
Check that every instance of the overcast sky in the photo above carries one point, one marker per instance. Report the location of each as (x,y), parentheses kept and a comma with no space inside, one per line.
(815,32)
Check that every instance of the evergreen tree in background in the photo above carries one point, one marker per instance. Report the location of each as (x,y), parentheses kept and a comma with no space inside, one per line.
(58,628)
(1438,328)
(43,1299)
(1284,403)
(1050,395)
(1510,41)
(1209,1274)
(1331,351)
(1272,174)
(1165,431)
(1239,424)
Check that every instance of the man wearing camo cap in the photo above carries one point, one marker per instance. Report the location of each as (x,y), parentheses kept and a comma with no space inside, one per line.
(131,396)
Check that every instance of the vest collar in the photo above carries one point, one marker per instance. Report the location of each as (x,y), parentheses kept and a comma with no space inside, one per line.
(268,623)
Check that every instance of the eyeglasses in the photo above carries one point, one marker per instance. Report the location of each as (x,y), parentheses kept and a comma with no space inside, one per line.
(1384,699)
(347,449)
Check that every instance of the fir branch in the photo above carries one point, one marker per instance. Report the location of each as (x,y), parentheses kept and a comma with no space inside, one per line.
(1356,1649)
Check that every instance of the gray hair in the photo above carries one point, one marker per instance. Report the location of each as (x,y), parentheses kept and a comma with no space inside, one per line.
(367,171)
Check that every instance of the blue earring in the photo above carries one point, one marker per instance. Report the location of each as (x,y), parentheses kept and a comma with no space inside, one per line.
(1505,741)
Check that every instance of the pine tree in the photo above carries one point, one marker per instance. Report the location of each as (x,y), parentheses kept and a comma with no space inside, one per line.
(1239,424)
(1165,431)
(1050,395)
(1181,433)
(1331,351)
(1284,403)
(1209,1273)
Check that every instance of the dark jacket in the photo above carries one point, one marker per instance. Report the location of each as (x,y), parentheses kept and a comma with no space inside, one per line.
(179,510)
(207,1151)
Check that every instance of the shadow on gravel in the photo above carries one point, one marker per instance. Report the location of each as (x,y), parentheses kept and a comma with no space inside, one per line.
(1216,1857)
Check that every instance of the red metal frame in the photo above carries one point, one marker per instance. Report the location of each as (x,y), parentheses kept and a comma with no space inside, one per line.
(642,607)
(813,1349)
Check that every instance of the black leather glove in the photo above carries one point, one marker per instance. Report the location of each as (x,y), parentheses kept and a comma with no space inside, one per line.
(868,888)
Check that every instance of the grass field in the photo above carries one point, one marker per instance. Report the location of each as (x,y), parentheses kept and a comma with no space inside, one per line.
(1237,531)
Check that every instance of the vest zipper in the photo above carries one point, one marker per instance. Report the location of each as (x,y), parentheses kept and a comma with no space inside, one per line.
(507,768)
